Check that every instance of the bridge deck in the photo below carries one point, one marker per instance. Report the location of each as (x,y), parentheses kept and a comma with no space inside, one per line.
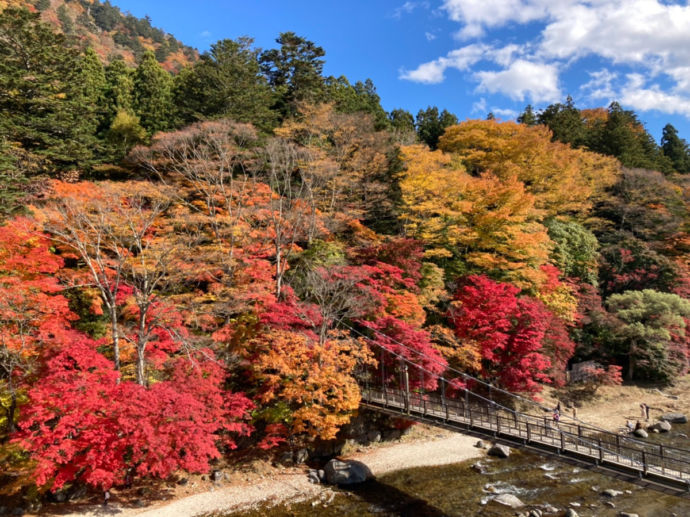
(666,469)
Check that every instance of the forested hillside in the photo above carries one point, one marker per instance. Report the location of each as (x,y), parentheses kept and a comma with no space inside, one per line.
(196,262)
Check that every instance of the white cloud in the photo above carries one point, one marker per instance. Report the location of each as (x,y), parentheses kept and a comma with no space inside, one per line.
(600,85)
(504,113)
(205,34)
(430,36)
(523,79)
(649,37)
(479,106)
(433,71)
(408,7)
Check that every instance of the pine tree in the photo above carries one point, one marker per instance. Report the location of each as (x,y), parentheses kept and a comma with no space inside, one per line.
(528,117)
(226,82)
(153,101)
(119,93)
(676,149)
(92,87)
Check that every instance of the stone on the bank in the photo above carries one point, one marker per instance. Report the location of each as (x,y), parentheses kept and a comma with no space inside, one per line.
(641,433)
(301,455)
(217,475)
(313,477)
(479,444)
(675,418)
(626,514)
(571,513)
(508,500)
(374,436)
(500,451)
(346,472)
(610,492)
(535,513)
(662,426)
(478,467)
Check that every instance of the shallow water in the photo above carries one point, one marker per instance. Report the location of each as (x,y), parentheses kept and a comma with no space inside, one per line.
(458,490)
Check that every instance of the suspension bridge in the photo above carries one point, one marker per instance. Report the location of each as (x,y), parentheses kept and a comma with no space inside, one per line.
(401,386)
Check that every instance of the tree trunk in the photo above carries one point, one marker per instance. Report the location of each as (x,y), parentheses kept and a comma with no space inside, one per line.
(116,339)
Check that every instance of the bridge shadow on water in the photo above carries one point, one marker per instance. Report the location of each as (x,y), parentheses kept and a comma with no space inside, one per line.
(387,500)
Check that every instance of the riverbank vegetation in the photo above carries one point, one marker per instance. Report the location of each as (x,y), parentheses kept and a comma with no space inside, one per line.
(205,261)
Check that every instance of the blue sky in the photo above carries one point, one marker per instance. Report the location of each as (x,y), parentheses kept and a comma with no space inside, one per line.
(473,56)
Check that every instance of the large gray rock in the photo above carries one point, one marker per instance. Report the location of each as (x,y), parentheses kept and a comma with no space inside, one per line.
(641,433)
(500,451)
(508,500)
(571,513)
(675,418)
(346,472)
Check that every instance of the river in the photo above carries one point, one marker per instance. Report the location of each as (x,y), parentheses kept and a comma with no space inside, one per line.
(459,490)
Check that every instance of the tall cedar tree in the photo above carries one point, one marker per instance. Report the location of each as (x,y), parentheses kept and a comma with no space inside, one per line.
(43,104)
(153,100)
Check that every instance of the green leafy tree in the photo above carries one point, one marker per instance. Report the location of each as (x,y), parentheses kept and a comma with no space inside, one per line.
(675,149)
(574,251)
(65,20)
(226,82)
(431,125)
(153,95)
(294,70)
(125,132)
(651,323)
(41,98)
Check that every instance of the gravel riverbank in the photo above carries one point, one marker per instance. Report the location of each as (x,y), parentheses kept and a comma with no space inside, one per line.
(429,448)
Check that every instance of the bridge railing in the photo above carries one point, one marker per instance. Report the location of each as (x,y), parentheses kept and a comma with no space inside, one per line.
(473,411)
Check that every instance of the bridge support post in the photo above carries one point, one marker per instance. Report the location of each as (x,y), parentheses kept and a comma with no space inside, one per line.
(644,463)
(529,434)
(406,378)
(467,403)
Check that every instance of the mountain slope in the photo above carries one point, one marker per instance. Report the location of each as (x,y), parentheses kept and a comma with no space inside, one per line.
(109,31)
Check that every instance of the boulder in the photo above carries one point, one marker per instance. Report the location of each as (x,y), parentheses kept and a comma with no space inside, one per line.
(571,513)
(626,514)
(479,444)
(346,472)
(478,467)
(500,451)
(374,436)
(675,418)
(508,500)
(535,513)
(662,426)
(217,475)
(301,455)
(641,433)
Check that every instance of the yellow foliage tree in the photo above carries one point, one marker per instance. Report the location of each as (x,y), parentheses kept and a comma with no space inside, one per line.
(563,180)
(488,222)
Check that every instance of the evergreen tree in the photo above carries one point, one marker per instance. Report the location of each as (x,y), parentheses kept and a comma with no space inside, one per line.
(624,136)
(226,82)
(565,122)
(153,100)
(92,86)
(431,125)
(528,117)
(294,71)
(45,114)
(119,93)
(401,120)
(360,97)
(675,149)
